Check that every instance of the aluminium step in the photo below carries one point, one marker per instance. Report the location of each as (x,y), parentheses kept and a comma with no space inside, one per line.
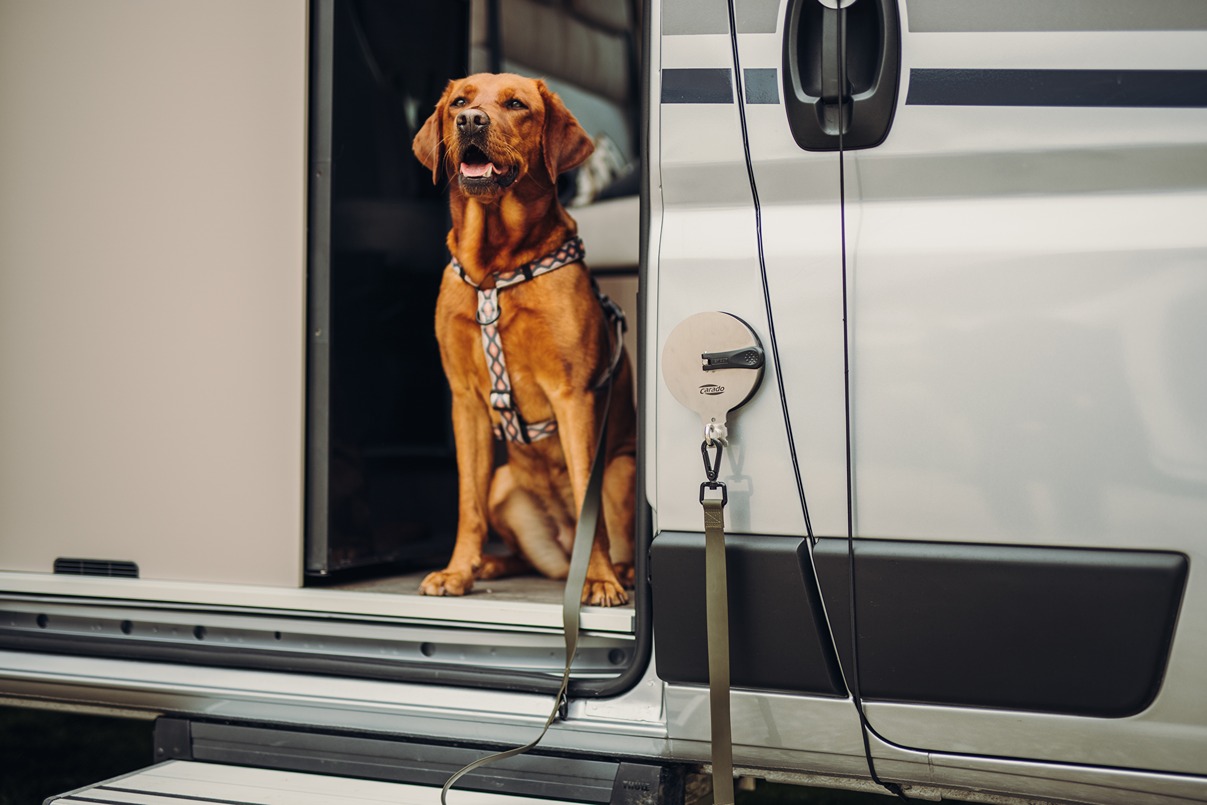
(179,782)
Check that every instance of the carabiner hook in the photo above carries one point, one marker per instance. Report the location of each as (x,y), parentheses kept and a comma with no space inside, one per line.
(710,468)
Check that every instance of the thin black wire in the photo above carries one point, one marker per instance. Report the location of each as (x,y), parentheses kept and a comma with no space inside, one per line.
(758,229)
(864,727)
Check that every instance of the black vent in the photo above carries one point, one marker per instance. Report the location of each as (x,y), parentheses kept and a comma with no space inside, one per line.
(96,567)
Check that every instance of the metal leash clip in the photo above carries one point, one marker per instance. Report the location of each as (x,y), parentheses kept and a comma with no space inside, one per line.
(711,468)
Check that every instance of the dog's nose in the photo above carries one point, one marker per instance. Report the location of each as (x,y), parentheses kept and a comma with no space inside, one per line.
(472,121)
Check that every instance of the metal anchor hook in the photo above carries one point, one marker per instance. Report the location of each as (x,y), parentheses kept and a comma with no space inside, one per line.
(717,432)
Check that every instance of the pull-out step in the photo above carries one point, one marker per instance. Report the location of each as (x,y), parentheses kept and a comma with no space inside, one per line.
(177,782)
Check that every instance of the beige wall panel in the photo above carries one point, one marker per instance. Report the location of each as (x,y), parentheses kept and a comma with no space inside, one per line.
(152,274)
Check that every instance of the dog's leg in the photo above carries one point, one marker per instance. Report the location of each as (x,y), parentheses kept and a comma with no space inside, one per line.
(619,487)
(471,429)
(620,475)
(527,527)
(576,422)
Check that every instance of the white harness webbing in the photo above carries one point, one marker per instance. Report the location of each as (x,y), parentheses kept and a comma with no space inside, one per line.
(513,428)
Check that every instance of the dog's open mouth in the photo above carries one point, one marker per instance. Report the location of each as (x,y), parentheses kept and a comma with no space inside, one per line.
(478,173)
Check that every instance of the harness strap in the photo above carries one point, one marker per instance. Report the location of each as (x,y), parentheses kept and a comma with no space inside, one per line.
(572,251)
(512,426)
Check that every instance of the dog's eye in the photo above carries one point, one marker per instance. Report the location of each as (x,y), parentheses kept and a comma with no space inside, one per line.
(459,102)
(516,103)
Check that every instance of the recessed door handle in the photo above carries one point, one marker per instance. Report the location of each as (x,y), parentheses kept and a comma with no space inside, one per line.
(854,103)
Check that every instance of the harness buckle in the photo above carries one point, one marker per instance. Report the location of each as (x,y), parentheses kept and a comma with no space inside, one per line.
(501,400)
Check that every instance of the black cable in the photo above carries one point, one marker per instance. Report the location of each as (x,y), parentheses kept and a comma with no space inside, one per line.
(758,230)
(864,727)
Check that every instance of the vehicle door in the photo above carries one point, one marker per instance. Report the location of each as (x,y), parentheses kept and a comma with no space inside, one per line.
(1013,327)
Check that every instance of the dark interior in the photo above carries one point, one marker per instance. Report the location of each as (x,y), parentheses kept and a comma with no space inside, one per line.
(389,465)
(381,465)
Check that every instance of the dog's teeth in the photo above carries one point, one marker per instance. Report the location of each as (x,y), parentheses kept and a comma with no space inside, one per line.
(490,169)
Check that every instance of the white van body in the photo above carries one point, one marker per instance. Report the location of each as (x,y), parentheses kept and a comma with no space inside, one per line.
(984,381)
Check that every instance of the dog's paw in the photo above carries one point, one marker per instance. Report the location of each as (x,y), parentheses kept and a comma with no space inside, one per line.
(446,582)
(626,573)
(499,567)
(604,594)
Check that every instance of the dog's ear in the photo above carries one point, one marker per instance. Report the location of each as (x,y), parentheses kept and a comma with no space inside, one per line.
(567,145)
(428,144)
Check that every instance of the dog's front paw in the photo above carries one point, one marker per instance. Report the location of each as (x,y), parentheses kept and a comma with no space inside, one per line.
(446,582)
(626,573)
(607,593)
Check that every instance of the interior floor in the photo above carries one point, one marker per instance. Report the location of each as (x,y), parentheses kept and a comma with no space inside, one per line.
(531,589)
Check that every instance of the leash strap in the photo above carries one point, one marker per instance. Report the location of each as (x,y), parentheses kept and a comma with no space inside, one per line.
(716,602)
(580,554)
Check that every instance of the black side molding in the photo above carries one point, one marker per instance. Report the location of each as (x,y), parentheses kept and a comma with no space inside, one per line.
(1058,630)
(777,635)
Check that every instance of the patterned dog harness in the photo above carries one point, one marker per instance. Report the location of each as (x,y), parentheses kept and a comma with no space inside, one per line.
(514,428)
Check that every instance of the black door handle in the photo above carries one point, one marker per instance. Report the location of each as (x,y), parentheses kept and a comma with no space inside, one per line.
(819,107)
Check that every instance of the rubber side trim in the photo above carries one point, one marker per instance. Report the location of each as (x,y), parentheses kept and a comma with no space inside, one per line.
(1056,630)
(778,638)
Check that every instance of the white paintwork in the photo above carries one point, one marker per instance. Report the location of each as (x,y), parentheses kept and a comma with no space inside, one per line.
(1027,311)
(152,278)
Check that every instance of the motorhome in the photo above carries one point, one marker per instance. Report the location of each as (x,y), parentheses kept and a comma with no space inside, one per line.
(965,506)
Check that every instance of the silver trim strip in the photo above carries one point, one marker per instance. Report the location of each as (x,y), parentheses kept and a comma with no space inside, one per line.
(687,17)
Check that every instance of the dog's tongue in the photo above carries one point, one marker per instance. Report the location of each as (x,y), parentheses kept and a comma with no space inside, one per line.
(479,171)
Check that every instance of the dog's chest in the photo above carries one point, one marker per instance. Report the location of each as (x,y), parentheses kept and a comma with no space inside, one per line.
(509,363)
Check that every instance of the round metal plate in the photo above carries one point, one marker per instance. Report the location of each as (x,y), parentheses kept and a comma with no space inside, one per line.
(710,393)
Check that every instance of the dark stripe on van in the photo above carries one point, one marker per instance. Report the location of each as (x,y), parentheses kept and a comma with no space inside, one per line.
(715,85)
(697,85)
(1074,88)
(762,84)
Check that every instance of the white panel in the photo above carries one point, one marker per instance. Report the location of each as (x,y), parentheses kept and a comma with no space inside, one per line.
(705,257)
(152,269)
(185,781)
(1029,308)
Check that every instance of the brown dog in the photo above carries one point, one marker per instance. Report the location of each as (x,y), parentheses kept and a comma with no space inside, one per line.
(501,141)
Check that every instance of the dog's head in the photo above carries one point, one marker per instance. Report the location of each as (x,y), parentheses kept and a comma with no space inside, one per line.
(490,131)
